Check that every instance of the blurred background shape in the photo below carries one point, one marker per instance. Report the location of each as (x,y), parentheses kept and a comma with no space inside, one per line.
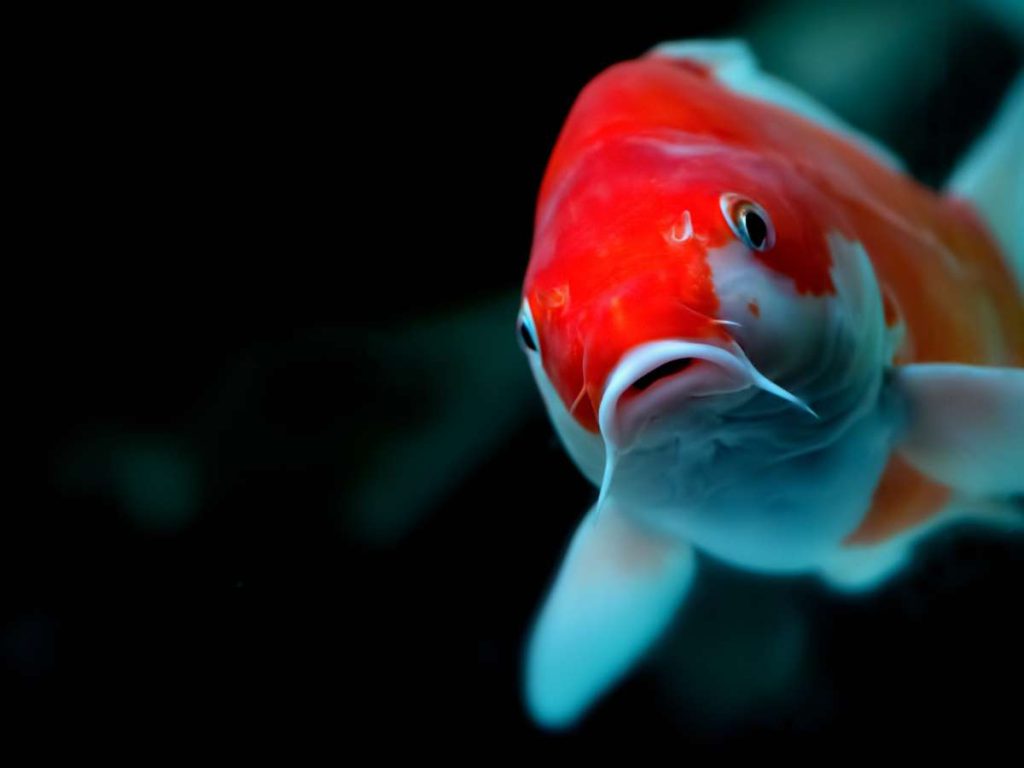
(154,481)
(465,375)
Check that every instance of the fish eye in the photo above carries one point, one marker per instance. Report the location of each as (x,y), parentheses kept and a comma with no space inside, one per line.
(527,337)
(527,331)
(748,221)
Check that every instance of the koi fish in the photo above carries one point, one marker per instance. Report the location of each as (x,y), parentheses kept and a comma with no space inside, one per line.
(761,340)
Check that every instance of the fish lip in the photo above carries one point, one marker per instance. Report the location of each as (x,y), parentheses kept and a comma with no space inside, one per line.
(641,360)
(647,358)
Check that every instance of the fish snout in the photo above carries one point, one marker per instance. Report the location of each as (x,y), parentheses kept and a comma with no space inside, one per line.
(658,379)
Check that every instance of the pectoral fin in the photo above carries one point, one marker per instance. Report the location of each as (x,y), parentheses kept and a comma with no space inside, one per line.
(860,569)
(965,425)
(615,593)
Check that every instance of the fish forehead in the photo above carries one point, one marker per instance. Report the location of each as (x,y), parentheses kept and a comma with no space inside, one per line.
(623,211)
(654,93)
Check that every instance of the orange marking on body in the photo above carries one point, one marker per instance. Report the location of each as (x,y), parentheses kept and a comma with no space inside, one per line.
(889,308)
(754,308)
(903,499)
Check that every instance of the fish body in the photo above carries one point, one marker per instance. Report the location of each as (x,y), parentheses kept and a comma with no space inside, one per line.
(761,339)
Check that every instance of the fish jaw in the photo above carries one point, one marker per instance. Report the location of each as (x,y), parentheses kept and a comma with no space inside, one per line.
(632,398)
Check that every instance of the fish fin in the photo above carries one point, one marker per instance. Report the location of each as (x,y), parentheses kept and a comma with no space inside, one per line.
(861,569)
(965,425)
(735,65)
(1005,515)
(857,569)
(991,177)
(615,593)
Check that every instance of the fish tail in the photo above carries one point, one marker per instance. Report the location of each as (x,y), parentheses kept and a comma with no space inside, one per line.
(991,177)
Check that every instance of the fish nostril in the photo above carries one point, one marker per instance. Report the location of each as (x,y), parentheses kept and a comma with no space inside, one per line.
(666,369)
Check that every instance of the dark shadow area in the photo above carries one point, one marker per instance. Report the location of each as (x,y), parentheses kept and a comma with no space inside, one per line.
(291,471)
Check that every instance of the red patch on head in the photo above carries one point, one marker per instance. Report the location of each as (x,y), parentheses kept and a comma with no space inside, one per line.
(615,265)
(620,253)
(755,310)
(630,207)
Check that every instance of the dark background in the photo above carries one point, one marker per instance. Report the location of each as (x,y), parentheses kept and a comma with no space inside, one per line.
(292,471)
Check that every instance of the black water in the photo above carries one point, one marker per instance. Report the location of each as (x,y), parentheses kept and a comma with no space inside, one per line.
(269,272)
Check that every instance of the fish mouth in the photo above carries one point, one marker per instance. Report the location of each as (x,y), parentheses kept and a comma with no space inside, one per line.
(663,371)
(663,377)
(655,377)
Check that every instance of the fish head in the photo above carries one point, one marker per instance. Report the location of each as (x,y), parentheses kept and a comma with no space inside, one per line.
(666,271)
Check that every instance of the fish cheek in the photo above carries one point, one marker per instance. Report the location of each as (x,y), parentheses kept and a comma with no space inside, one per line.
(763,312)
(585,448)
